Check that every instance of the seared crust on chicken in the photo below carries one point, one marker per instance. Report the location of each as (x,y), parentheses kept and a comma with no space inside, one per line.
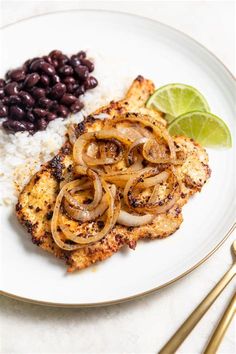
(36,202)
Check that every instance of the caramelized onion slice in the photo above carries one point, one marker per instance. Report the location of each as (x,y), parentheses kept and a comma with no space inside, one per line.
(89,215)
(118,180)
(132,133)
(79,155)
(129,157)
(113,134)
(79,187)
(97,192)
(154,153)
(79,146)
(107,227)
(154,206)
(121,179)
(128,219)
(54,224)
(104,159)
(157,130)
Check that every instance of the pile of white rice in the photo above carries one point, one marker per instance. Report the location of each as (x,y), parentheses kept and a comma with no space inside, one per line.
(22,154)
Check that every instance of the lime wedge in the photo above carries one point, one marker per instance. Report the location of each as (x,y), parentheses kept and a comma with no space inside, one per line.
(205,128)
(177,99)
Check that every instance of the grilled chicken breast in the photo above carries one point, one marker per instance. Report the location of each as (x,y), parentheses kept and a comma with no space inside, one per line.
(36,202)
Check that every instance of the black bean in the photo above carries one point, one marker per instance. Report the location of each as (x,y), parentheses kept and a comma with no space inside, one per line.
(31,80)
(81,55)
(48,91)
(55,79)
(68,99)
(42,124)
(17,126)
(79,91)
(48,59)
(29,125)
(66,70)
(70,88)
(20,85)
(74,61)
(51,116)
(30,116)
(27,64)
(17,74)
(76,106)
(11,88)
(82,71)
(38,92)
(90,83)
(5,101)
(2,94)
(26,99)
(54,106)
(87,63)
(75,86)
(63,111)
(3,111)
(14,99)
(68,80)
(40,112)
(44,80)
(58,90)
(55,63)
(47,69)
(45,102)
(62,60)
(54,54)
(34,59)
(16,113)
(36,64)
(2,83)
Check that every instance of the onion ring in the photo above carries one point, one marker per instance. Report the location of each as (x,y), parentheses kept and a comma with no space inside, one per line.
(97,192)
(83,159)
(54,224)
(107,227)
(157,129)
(129,157)
(128,219)
(86,214)
(154,206)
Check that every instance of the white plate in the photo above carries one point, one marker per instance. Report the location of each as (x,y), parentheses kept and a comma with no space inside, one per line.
(164,55)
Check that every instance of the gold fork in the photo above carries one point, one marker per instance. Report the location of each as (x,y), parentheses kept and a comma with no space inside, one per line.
(177,339)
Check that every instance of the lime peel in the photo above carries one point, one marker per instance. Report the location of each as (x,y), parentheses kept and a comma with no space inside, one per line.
(176,99)
(204,127)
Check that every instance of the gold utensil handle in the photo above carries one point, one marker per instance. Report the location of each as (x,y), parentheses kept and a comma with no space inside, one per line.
(175,341)
(222,327)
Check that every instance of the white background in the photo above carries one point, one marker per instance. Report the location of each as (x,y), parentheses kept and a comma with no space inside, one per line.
(144,325)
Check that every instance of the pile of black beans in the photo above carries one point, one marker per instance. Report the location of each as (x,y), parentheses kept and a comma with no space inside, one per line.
(44,89)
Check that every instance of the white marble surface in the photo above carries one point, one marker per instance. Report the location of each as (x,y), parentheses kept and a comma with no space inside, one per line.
(144,325)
